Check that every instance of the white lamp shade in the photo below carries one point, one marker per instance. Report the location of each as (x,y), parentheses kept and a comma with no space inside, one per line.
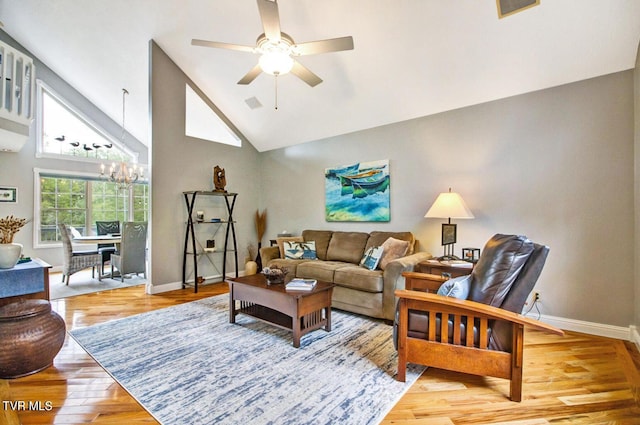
(449,205)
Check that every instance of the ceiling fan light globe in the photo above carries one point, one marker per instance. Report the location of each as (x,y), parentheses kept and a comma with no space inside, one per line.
(276,63)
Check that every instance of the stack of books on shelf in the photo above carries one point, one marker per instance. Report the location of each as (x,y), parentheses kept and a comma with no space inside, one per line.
(298,284)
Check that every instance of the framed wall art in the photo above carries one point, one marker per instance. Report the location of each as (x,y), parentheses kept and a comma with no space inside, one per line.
(8,194)
(358,192)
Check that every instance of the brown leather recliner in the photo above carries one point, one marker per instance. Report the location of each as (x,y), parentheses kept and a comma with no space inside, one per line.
(498,288)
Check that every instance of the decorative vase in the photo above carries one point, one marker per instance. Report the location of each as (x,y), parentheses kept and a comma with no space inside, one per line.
(32,335)
(259,258)
(9,255)
(250,268)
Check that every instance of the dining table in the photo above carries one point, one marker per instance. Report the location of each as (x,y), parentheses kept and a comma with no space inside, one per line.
(95,239)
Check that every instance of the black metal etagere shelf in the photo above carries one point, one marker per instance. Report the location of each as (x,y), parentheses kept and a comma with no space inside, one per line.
(190,198)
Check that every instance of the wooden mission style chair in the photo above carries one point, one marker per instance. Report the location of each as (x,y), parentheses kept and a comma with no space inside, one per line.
(483,331)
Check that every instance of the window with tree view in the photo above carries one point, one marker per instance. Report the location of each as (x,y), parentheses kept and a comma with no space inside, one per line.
(80,202)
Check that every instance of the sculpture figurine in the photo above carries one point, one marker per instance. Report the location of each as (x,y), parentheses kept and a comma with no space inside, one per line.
(219,179)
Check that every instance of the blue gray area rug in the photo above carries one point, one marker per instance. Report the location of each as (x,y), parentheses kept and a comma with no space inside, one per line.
(188,365)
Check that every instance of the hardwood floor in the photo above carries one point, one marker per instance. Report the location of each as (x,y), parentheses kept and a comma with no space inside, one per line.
(576,379)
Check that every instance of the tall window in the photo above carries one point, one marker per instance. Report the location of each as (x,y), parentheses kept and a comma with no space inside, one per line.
(80,201)
(64,131)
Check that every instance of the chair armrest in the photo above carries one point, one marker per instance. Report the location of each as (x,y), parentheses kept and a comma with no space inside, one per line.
(269,253)
(440,304)
(393,279)
(423,281)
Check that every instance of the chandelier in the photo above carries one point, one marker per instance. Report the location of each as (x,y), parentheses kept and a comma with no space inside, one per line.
(121,174)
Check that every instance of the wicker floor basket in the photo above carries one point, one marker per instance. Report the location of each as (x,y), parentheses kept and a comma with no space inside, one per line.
(31,334)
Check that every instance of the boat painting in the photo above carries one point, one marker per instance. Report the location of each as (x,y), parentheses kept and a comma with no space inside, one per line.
(358,192)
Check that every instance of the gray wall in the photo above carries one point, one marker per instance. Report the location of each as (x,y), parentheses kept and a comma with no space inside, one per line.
(636,96)
(556,165)
(180,163)
(16,169)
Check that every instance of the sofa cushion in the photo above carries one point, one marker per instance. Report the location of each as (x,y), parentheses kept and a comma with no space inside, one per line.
(347,246)
(501,261)
(321,238)
(280,241)
(355,277)
(300,250)
(320,270)
(378,238)
(393,249)
(371,257)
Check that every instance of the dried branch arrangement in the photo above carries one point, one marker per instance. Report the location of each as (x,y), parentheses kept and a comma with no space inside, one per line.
(9,226)
(261,224)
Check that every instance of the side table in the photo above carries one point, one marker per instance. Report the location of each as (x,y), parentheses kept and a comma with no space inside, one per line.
(28,280)
(444,268)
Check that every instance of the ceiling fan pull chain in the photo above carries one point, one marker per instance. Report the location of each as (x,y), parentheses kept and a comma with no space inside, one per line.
(276,84)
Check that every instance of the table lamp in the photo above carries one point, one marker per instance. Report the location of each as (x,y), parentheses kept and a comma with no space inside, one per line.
(449,205)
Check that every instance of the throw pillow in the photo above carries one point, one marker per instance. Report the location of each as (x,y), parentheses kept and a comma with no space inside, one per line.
(457,287)
(74,232)
(393,249)
(300,250)
(371,257)
(280,241)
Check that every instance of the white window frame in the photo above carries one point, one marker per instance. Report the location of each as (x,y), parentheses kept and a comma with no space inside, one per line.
(37,172)
(42,87)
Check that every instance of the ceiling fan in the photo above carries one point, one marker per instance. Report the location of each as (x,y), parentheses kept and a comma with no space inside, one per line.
(277,49)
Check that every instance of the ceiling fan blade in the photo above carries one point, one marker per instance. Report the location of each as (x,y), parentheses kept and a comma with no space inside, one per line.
(270,19)
(324,46)
(205,43)
(251,75)
(305,75)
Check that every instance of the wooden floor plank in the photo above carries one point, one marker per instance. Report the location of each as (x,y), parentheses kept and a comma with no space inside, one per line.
(575,379)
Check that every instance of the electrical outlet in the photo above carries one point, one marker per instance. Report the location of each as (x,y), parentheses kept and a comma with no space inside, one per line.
(535,297)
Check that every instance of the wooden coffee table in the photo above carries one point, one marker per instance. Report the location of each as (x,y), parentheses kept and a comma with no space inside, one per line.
(298,311)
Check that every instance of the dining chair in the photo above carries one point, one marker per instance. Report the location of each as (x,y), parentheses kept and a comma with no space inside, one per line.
(106,249)
(132,255)
(74,261)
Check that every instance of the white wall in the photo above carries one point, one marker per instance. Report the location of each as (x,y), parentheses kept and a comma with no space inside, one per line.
(180,163)
(555,165)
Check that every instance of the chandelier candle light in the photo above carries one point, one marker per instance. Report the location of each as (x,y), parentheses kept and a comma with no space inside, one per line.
(122,174)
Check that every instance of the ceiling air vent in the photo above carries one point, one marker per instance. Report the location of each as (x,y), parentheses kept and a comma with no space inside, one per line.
(16,98)
(509,7)
(253,103)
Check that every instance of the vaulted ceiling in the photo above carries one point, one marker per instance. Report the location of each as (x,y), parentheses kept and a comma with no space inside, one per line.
(412,58)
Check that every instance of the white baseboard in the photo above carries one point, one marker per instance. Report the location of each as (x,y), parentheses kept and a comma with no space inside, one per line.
(591,328)
(165,287)
(172,286)
(635,336)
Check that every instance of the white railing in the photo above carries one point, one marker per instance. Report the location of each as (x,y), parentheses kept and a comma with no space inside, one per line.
(17,76)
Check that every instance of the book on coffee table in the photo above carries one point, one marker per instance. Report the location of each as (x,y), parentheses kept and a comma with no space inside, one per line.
(298,284)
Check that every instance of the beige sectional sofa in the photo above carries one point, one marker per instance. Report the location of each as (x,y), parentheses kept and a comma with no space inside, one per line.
(358,289)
